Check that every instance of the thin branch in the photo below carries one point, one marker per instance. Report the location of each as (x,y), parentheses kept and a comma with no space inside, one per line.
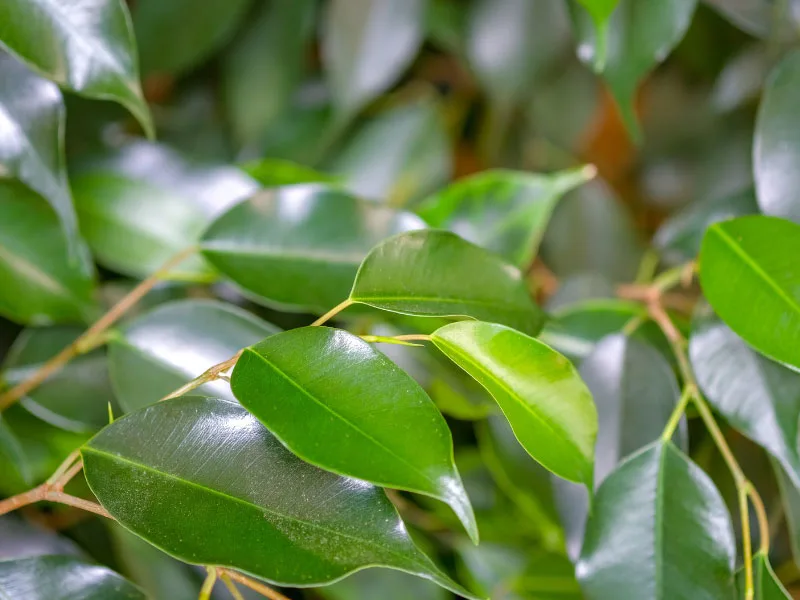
(332,312)
(254,585)
(232,589)
(208,584)
(209,375)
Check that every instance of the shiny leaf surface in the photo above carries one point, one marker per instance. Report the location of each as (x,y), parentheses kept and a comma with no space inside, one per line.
(431,273)
(658,529)
(299,246)
(750,276)
(280,519)
(538,390)
(175,342)
(766,584)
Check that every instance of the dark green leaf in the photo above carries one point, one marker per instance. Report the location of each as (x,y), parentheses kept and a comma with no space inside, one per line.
(32,136)
(275,172)
(436,273)
(776,147)
(641,34)
(63,578)
(504,211)
(384,584)
(11,449)
(299,246)
(750,275)
(24,539)
(76,397)
(401,441)
(658,529)
(766,584)
(279,519)
(790,498)
(366,45)
(175,342)
(86,46)
(538,390)
(175,37)
(761,18)
(41,283)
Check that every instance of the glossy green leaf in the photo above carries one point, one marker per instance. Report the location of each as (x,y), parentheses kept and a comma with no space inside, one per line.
(134,227)
(750,276)
(279,519)
(366,45)
(175,37)
(658,529)
(641,34)
(758,397)
(504,211)
(384,584)
(174,343)
(397,157)
(538,390)
(432,273)
(86,46)
(77,397)
(11,449)
(32,121)
(766,584)
(401,442)
(776,146)
(63,578)
(25,539)
(265,65)
(275,172)
(600,11)
(39,282)
(299,246)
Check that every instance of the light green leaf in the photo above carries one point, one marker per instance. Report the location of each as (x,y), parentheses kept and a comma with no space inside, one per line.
(776,145)
(401,442)
(299,247)
(436,273)
(39,282)
(275,172)
(766,583)
(600,11)
(174,343)
(366,45)
(750,275)
(86,46)
(538,390)
(504,211)
(658,529)
(32,122)
(280,519)
(63,578)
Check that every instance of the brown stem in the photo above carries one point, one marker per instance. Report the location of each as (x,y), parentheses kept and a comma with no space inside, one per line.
(210,374)
(88,340)
(254,585)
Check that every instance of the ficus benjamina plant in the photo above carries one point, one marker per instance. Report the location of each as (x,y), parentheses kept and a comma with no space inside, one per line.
(369,321)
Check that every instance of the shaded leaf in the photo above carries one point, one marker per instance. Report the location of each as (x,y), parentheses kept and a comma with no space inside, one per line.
(24,539)
(86,46)
(750,276)
(790,499)
(761,18)
(280,519)
(776,145)
(766,584)
(299,247)
(538,390)
(504,211)
(275,172)
(431,273)
(366,45)
(658,529)
(174,343)
(13,452)
(401,441)
(385,584)
(39,282)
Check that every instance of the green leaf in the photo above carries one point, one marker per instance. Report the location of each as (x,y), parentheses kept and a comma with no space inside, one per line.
(397,157)
(76,397)
(538,390)
(175,37)
(766,584)
(600,11)
(758,397)
(63,578)
(32,122)
(641,34)
(265,65)
(41,283)
(384,584)
(279,519)
(276,172)
(134,227)
(504,211)
(174,343)
(761,18)
(790,498)
(749,274)
(366,45)
(309,239)
(436,273)
(11,449)
(776,146)
(85,46)
(401,442)
(658,529)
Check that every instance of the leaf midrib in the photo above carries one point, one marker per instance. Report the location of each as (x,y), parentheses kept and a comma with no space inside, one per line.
(445,300)
(24,268)
(323,257)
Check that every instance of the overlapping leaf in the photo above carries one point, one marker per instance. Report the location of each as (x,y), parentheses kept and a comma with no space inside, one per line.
(766,584)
